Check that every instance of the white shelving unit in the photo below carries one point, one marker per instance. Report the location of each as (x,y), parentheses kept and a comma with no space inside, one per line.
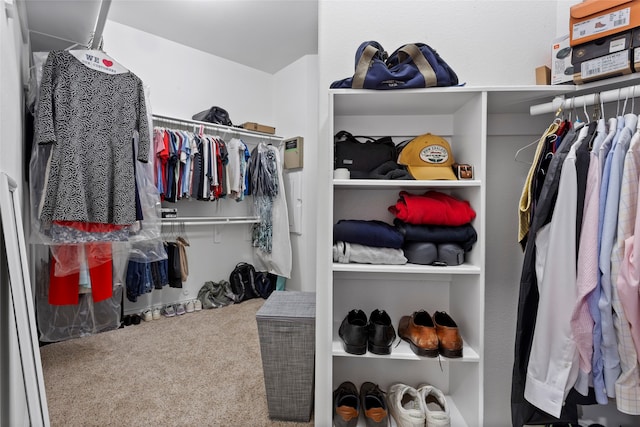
(461,116)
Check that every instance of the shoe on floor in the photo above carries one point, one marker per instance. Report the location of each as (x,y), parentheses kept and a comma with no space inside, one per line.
(197,305)
(353,332)
(374,405)
(190,307)
(346,405)
(420,332)
(168,311)
(449,339)
(180,309)
(156,313)
(381,333)
(147,316)
(434,406)
(135,319)
(404,406)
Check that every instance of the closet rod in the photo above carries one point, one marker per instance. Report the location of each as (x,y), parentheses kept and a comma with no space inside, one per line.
(584,100)
(215,127)
(212,220)
(100,22)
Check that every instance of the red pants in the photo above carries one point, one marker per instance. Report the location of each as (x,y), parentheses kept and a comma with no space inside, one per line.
(63,290)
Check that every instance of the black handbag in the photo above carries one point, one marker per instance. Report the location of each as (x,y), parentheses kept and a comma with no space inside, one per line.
(362,154)
(215,115)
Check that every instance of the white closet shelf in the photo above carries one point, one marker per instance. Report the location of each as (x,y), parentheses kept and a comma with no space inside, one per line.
(216,128)
(407,268)
(212,220)
(404,352)
(363,184)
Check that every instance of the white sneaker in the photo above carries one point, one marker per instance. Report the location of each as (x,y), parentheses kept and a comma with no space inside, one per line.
(156,314)
(147,316)
(197,305)
(434,406)
(405,407)
(190,307)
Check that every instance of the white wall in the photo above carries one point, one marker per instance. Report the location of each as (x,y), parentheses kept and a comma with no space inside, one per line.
(185,81)
(296,108)
(13,406)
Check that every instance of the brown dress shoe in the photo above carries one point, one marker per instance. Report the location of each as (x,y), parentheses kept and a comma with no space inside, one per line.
(419,331)
(450,341)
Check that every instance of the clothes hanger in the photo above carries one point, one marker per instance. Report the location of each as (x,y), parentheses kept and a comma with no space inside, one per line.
(557,120)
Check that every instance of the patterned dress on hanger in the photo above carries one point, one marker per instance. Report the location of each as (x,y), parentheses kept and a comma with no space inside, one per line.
(90,117)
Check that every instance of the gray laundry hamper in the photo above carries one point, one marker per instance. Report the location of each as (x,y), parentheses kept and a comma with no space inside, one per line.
(286,328)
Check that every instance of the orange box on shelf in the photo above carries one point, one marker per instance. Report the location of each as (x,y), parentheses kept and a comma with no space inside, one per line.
(594,19)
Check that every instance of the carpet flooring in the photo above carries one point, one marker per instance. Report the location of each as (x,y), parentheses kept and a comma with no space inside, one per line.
(198,369)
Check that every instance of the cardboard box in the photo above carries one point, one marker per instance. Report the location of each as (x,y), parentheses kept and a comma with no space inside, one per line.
(635,46)
(258,127)
(604,67)
(594,19)
(600,47)
(561,68)
(543,75)
(603,58)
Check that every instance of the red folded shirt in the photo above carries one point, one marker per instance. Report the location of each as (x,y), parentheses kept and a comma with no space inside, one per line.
(432,208)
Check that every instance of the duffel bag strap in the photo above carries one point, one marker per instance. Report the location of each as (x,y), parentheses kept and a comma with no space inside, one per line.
(363,67)
(421,62)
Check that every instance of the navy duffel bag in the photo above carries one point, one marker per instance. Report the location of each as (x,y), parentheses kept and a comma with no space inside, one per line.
(414,65)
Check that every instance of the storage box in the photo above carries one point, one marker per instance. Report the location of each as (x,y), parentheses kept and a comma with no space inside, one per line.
(602,58)
(286,329)
(594,19)
(543,75)
(258,127)
(561,68)
(635,49)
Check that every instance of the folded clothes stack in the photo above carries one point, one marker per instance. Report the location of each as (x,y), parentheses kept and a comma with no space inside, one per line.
(429,229)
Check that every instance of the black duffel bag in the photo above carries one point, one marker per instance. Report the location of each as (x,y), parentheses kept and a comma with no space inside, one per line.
(362,154)
(215,115)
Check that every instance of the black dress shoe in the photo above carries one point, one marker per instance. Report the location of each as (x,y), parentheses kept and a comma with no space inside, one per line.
(381,332)
(374,405)
(346,405)
(353,332)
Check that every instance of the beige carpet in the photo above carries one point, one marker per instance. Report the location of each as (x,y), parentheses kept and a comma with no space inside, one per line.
(199,369)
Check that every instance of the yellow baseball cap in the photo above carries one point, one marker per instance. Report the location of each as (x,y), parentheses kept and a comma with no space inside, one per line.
(428,157)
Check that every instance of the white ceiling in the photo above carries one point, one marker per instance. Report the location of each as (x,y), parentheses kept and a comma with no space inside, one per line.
(263,34)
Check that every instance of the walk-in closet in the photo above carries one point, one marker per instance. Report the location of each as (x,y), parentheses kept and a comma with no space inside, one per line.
(117,303)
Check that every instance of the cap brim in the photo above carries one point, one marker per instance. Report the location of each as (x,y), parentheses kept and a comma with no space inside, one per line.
(432,172)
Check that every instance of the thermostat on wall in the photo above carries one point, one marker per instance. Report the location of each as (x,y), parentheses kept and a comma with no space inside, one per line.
(293,152)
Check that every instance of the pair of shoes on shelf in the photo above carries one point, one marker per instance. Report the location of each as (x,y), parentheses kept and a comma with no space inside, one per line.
(428,336)
(348,403)
(412,407)
(357,334)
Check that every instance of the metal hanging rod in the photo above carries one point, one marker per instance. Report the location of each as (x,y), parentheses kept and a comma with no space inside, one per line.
(216,128)
(561,103)
(212,220)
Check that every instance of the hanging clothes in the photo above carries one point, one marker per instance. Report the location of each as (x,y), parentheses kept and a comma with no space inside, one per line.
(271,235)
(91,176)
(522,411)
(589,355)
